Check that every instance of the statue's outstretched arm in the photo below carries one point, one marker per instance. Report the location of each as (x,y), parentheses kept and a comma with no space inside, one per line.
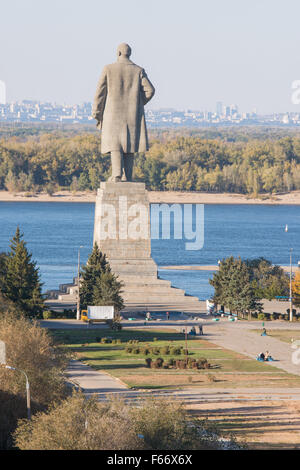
(100,97)
(148,89)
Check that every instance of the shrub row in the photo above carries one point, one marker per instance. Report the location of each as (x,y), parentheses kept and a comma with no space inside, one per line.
(164,350)
(105,340)
(275,316)
(67,313)
(160,363)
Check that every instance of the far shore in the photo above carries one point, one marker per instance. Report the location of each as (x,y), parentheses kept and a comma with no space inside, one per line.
(158,197)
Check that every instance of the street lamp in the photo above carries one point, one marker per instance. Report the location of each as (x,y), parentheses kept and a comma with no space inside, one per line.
(27,389)
(291,291)
(78,285)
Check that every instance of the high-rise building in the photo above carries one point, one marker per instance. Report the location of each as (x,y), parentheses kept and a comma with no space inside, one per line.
(219,108)
(2,92)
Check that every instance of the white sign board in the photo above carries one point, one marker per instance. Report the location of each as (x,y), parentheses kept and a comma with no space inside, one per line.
(100,313)
(2,352)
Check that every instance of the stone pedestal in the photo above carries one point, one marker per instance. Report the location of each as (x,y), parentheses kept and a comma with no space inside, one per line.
(122,232)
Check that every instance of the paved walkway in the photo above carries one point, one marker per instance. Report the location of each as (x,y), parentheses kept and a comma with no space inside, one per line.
(100,384)
(238,337)
(92,381)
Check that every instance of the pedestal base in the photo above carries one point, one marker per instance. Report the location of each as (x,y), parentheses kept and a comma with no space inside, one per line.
(122,232)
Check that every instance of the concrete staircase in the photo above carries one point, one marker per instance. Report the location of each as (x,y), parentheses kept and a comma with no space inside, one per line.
(142,290)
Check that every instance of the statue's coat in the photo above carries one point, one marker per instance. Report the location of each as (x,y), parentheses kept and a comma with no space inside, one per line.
(123,90)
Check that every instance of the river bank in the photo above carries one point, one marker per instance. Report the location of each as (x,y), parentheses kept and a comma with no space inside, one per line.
(168,197)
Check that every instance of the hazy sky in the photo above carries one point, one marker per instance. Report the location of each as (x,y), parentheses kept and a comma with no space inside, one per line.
(195,52)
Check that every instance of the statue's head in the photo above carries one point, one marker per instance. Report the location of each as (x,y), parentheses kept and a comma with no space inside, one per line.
(124,50)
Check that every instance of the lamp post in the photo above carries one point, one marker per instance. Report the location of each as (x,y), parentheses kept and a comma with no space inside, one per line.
(78,285)
(27,389)
(291,291)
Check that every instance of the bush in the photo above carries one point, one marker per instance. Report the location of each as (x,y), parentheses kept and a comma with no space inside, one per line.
(148,361)
(155,351)
(261,316)
(46,315)
(170,362)
(165,350)
(81,424)
(211,378)
(159,362)
(78,423)
(180,364)
(202,361)
(105,340)
(174,351)
(145,351)
(191,363)
(29,348)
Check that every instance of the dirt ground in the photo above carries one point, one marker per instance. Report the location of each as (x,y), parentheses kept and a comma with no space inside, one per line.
(168,197)
(259,425)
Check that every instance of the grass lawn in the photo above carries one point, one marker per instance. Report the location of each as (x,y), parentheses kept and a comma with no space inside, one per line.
(288,336)
(228,368)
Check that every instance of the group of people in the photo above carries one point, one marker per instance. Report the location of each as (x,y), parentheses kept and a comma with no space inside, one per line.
(194,332)
(265,356)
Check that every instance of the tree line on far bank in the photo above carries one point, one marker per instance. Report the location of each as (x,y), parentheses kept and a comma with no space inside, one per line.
(249,162)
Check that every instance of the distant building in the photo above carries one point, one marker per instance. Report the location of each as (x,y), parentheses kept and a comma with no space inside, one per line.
(2,92)
(219,108)
(226,111)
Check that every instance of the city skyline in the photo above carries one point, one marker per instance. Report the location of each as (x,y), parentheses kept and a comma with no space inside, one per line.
(31,111)
(200,53)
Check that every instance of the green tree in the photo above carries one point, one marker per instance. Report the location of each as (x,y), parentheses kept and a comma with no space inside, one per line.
(267,280)
(83,182)
(107,291)
(99,286)
(3,257)
(233,287)
(22,282)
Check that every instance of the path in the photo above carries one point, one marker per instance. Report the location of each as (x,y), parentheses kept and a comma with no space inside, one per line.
(92,381)
(238,337)
(100,384)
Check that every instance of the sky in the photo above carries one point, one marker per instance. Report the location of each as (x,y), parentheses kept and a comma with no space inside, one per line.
(195,52)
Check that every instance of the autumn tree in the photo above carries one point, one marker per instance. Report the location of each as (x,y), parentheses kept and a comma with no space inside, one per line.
(296,289)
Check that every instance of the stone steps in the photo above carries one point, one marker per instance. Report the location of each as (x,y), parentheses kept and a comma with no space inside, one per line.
(67,297)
